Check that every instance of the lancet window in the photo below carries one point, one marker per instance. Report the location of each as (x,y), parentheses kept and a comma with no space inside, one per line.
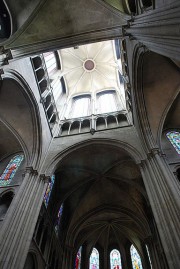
(11,169)
(174,138)
(94,259)
(135,258)
(78,259)
(115,259)
(58,220)
(48,191)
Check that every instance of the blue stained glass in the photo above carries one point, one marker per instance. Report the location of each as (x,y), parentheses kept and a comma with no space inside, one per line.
(115,259)
(135,258)
(94,259)
(47,193)
(78,259)
(10,170)
(174,138)
(58,220)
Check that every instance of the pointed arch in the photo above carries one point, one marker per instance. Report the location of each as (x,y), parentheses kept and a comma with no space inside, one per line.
(94,259)
(115,259)
(135,258)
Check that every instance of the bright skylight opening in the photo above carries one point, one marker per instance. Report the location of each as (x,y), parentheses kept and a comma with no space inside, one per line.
(93,79)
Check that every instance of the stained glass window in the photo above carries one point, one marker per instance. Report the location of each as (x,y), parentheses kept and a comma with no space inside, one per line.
(174,138)
(149,256)
(135,258)
(58,220)
(94,259)
(115,259)
(47,193)
(78,259)
(10,170)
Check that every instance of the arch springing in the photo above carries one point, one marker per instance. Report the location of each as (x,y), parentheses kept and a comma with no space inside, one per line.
(94,259)
(135,258)
(78,259)
(11,169)
(174,138)
(115,259)
(48,191)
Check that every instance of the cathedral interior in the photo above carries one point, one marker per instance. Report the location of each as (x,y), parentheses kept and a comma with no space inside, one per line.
(89,134)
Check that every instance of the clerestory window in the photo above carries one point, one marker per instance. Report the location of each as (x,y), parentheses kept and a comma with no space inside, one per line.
(80,106)
(115,259)
(107,102)
(94,259)
(11,169)
(78,259)
(135,258)
(174,138)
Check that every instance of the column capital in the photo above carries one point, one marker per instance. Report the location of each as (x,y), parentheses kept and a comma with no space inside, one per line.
(5,56)
(142,163)
(45,178)
(30,171)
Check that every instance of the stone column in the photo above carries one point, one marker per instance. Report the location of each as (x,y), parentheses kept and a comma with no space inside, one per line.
(158,30)
(164,197)
(68,255)
(18,227)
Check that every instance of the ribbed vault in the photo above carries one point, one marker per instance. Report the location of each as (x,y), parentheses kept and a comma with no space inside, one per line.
(104,198)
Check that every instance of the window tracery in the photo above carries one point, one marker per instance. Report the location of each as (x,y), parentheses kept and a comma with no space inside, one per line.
(11,169)
(94,259)
(174,138)
(135,258)
(115,259)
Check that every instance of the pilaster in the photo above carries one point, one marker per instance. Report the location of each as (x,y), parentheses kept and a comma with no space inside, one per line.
(158,30)
(18,227)
(164,199)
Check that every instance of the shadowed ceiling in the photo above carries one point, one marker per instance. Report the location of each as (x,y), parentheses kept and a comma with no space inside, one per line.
(104,197)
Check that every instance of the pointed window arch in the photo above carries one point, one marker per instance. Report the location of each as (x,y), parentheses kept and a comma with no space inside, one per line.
(11,169)
(78,259)
(48,191)
(135,258)
(94,259)
(115,259)
(174,138)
